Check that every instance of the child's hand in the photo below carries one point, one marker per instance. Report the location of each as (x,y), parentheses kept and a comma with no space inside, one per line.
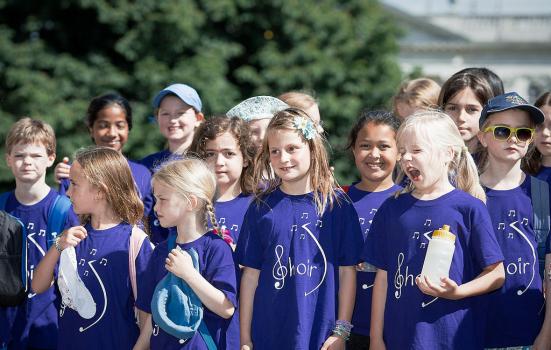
(248,346)
(447,288)
(180,264)
(333,343)
(62,169)
(72,237)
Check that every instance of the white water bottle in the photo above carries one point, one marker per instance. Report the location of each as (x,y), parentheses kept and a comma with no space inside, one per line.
(439,255)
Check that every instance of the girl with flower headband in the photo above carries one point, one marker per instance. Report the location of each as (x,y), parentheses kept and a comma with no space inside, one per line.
(299,245)
(227,147)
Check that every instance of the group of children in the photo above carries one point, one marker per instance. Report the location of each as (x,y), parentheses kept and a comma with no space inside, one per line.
(253,244)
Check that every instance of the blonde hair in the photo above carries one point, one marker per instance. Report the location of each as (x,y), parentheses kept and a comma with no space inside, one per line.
(298,99)
(108,171)
(439,132)
(191,176)
(31,131)
(421,93)
(321,178)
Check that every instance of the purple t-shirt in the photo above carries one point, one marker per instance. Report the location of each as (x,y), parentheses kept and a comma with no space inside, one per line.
(102,260)
(35,321)
(366,204)
(298,254)
(397,243)
(517,308)
(155,160)
(230,214)
(216,265)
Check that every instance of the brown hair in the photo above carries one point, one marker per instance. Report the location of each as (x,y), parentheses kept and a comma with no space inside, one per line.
(321,178)
(421,93)
(191,176)
(31,131)
(533,159)
(216,126)
(460,81)
(108,170)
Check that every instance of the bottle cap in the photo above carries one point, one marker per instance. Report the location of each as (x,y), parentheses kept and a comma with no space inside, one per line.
(444,233)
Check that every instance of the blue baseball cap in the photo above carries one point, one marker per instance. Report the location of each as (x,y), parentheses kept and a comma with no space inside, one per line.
(184,92)
(507,101)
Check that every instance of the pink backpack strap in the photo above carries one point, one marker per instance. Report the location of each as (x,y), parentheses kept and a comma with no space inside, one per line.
(136,240)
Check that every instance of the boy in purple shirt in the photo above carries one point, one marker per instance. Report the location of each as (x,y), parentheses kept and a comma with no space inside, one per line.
(30,147)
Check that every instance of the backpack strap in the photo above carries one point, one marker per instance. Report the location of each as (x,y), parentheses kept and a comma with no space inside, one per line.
(57,218)
(539,194)
(205,334)
(137,237)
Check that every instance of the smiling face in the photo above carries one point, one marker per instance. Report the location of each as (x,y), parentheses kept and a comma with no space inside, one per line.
(110,128)
(28,162)
(543,133)
(224,156)
(375,153)
(290,160)
(511,150)
(177,120)
(464,108)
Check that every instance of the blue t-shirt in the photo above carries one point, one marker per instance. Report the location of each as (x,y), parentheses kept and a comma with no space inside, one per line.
(397,243)
(517,309)
(142,180)
(298,254)
(102,260)
(155,160)
(230,214)
(366,204)
(216,265)
(34,323)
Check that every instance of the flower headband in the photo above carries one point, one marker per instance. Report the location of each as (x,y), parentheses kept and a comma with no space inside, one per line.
(306,126)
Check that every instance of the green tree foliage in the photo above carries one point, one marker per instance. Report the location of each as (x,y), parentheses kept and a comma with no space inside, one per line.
(56,55)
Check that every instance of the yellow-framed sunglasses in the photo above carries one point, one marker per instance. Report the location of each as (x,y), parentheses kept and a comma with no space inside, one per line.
(504,133)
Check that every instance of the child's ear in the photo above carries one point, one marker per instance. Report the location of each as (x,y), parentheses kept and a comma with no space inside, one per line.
(193,202)
(480,136)
(199,117)
(51,159)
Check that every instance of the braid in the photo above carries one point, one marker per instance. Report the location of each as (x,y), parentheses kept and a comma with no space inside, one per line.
(213,221)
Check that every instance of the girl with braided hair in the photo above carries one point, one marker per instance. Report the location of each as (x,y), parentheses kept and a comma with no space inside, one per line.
(184,193)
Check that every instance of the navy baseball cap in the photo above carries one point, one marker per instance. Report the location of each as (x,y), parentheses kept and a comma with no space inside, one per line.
(507,101)
(184,92)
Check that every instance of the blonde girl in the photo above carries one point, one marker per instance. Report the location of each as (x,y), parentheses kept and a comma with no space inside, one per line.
(410,311)
(184,193)
(415,95)
(104,196)
(227,147)
(298,245)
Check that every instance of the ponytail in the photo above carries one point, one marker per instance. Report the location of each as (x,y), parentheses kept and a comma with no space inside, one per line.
(466,174)
(212,219)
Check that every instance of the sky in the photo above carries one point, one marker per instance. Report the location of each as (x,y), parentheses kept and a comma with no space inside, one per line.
(479,7)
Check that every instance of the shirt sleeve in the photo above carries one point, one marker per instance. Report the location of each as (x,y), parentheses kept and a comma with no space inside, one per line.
(484,246)
(349,233)
(249,246)
(374,247)
(220,270)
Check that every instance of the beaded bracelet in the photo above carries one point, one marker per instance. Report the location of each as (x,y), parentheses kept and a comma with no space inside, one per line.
(56,244)
(342,329)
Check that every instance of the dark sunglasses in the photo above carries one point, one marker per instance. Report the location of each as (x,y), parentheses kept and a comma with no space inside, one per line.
(504,133)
